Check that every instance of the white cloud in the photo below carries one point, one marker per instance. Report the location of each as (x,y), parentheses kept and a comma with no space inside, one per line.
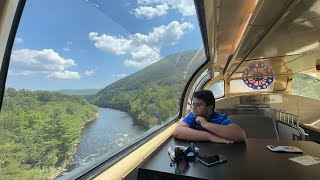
(149,1)
(47,61)
(89,72)
(144,49)
(92,3)
(142,56)
(119,75)
(116,44)
(184,7)
(165,35)
(23,73)
(67,47)
(64,75)
(18,40)
(150,12)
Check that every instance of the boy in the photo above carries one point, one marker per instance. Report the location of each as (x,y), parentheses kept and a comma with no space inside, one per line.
(205,124)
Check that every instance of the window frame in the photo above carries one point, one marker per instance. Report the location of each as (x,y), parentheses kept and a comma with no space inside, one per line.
(17,9)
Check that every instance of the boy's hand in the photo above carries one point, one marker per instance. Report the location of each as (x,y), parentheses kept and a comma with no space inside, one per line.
(202,121)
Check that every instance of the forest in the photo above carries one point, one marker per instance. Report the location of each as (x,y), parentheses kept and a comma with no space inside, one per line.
(39,131)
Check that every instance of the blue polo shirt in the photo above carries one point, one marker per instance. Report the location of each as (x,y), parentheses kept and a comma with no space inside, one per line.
(216,118)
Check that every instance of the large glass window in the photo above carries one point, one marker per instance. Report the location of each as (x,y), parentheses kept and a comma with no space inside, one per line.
(218,89)
(243,86)
(87,78)
(305,85)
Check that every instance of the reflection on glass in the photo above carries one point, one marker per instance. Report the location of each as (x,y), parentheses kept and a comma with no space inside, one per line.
(218,89)
(89,80)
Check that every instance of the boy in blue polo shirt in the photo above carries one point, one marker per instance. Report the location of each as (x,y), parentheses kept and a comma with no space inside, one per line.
(205,124)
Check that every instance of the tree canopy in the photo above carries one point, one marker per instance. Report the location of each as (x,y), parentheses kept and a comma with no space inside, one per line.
(39,131)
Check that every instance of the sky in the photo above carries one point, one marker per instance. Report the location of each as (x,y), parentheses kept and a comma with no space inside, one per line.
(89,44)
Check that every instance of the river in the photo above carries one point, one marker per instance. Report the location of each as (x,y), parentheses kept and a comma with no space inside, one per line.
(110,131)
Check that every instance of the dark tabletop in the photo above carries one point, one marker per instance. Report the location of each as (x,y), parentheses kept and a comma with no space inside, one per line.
(248,160)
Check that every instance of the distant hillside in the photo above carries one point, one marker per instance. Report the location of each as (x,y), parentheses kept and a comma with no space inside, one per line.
(81,92)
(152,94)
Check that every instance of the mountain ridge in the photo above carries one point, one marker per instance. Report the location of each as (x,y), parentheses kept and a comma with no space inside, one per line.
(152,94)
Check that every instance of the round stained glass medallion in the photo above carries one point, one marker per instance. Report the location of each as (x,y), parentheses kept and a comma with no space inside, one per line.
(257,76)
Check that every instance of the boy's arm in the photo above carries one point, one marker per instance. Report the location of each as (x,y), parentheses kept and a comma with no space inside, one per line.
(184,132)
(231,131)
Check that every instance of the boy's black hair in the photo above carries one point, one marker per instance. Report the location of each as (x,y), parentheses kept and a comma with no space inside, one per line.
(206,95)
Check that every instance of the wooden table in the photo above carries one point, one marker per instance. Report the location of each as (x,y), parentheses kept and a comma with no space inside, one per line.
(248,160)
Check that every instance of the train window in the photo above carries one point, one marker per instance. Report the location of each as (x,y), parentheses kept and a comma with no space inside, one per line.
(305,85)
(201,80)
(88,78)
(216,73)
(218,89)
(251,85)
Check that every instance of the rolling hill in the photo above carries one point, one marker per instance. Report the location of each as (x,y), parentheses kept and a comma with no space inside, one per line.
(80,92)
(151,95)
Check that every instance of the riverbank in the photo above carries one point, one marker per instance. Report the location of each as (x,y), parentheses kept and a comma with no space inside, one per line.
(111,130)
(64,166)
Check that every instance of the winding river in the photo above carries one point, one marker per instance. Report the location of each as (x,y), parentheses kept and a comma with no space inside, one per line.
(110,131)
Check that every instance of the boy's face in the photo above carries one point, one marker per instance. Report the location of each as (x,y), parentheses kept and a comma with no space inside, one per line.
(199,107)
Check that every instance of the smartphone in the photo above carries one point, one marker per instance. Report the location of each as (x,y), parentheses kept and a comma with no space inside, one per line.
(288,149)
(212,160)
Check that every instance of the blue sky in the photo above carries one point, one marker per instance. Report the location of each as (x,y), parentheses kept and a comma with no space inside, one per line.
(84,44)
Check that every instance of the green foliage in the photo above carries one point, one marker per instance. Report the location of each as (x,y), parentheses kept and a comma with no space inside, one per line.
(39,131)
(81,92)
(305,85)
(151,95)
